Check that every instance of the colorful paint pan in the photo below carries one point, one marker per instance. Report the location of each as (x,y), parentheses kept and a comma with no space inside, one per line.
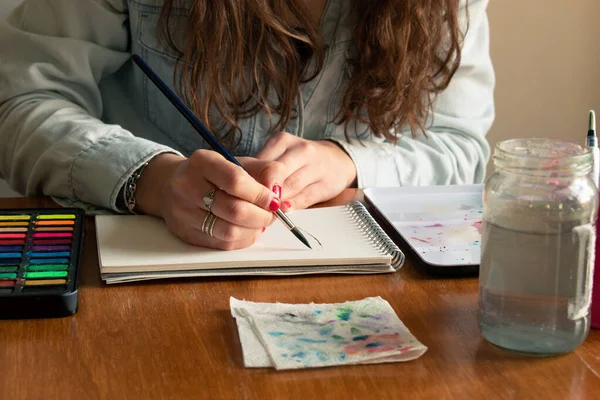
(57,247)
(48,260)
(46,282)
(48,254)
(7,286)
(40,253)
(51,235)
(14,223)
(50,241)
(15,217)
(13,229)
(11,241)
(11,248)
(11,255)
(12,235)
(9,261)
(56,217)
(46,267)
(54,222)
(54,229)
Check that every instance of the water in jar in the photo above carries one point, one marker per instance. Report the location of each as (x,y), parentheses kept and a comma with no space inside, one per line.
(535,286)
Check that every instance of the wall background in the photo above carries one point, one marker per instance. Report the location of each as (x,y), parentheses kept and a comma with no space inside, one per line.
(547,62)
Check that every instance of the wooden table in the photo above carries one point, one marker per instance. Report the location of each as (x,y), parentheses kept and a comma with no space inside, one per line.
(177,340)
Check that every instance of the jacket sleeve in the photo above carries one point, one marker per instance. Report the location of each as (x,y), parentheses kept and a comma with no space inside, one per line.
(53,54)
(455,150)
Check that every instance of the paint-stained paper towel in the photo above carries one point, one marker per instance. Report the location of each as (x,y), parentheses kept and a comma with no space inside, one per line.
(288,336)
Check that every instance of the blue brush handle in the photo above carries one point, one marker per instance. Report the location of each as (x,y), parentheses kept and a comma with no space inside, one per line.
(212,141)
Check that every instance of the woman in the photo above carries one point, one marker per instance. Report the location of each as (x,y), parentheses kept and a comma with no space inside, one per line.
(314,96)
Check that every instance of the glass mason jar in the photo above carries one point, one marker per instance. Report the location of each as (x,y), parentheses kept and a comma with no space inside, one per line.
(539,215)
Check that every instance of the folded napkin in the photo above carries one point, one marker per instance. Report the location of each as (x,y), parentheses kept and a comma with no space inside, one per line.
(288,336)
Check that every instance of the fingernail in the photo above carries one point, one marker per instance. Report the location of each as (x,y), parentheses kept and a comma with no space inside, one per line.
(277,190)
(275,205)
(287,204)
(264,229)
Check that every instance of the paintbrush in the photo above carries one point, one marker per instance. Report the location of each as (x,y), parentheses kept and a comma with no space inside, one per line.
(207,135)
(592,142)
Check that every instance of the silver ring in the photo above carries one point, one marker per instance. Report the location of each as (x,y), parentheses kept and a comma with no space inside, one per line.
(209,223)
(209,199)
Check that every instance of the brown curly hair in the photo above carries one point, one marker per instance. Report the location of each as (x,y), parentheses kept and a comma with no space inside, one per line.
(408,51)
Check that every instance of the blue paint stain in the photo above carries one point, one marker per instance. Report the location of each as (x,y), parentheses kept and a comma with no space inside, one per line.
(276,334)
(326,330)
(299,354)
(308,340)
(322,356)
(344,313)
(375,344)
(342,356)
(284,355)
(359,338)
(317,312)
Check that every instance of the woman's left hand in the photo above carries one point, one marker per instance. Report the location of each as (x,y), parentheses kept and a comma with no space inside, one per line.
(317,170)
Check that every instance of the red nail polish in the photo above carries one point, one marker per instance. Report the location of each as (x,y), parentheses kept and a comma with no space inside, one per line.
(277,190)
(275,205)
(264,229)
(287,204)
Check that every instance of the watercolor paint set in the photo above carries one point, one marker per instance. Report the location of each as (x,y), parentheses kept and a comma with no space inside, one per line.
(440,225)
(40,254)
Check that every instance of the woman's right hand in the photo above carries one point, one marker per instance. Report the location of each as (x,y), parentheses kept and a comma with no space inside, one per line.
(173,187)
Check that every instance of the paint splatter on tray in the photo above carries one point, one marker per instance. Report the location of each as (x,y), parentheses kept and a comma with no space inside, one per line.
(441,224)
(289,336)
(444,233)
(466,232)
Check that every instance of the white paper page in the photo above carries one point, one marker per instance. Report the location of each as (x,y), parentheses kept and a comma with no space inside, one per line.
(136,243)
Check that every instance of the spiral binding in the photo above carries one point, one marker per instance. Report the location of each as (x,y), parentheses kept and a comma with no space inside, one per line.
(374,233)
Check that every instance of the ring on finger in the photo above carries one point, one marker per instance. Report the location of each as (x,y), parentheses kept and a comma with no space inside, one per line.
(209,223)
(209,199)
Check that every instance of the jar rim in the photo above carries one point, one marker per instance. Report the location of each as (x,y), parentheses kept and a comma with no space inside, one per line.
(555,147)
(543,156)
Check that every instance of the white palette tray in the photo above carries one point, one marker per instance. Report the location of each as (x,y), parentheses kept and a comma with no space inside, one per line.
(442,224)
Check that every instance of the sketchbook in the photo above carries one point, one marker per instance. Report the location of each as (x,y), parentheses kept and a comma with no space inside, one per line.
(140,247)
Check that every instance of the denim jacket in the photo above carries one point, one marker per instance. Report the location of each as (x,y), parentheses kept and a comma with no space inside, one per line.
(77,118)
